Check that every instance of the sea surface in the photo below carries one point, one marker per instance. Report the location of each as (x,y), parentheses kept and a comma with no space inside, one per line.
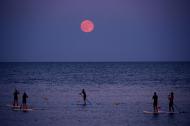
(117,93)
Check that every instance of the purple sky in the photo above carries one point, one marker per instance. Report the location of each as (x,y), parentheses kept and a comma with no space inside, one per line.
(125,30)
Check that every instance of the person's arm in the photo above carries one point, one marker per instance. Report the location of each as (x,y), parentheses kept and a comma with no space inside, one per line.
(80,94)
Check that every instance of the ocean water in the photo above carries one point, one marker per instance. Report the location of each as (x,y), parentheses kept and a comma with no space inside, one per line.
(118,93)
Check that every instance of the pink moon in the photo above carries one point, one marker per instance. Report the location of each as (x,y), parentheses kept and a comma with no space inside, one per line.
(87,26)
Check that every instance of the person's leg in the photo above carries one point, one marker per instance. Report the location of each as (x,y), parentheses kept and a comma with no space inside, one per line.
(26,107)
(169,107)
(14,102)
(84,100)
(156,108)
(24,104)
(17,102)
(172,107)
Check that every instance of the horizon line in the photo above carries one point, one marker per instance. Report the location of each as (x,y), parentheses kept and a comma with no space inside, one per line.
(92,61)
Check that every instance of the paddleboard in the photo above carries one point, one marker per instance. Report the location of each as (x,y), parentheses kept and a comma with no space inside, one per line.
(81,104)
(159,112)
(13,106)
(24,110)
(151,112)
(172,112)
(18,108)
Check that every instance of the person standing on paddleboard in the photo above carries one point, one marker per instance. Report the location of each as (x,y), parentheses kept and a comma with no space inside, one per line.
(15,94)
(24,97)
(83,94)
(171,102)
(155,102)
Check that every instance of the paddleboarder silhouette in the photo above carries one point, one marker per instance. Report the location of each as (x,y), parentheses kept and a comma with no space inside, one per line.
(83,94)
(24,97)
(171,102)
(155,102)
(15,94)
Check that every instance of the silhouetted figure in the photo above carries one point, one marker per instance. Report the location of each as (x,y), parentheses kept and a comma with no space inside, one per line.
(15,94)
(24,97)
(83,94)
(155,102)
(171,102)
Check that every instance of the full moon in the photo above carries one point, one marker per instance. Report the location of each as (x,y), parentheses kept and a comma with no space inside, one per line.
(87,26)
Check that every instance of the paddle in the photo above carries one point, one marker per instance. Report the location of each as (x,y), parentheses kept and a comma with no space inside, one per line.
(178,109)
(89,102)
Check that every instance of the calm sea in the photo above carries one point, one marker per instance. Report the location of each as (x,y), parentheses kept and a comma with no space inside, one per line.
(117,93)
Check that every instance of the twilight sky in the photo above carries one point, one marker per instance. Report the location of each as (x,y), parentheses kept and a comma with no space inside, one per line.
(125,30)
